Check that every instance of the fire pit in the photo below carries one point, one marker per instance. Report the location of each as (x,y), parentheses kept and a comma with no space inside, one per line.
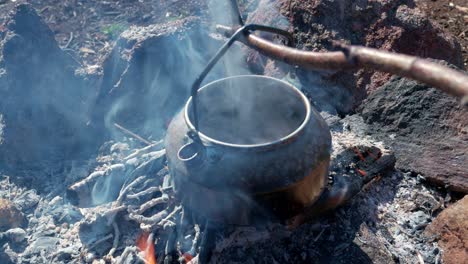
(251,169)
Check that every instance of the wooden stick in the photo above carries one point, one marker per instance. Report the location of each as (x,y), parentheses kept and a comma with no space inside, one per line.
(130,133)
(356,57)
(152,203)
(115,243)
(153,220)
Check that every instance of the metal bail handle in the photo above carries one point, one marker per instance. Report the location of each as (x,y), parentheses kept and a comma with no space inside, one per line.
(244,30)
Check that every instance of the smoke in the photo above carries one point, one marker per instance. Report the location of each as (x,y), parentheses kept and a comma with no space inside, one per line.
(148,77)
(43,101)
(254,122)
(2,125)
(106,189)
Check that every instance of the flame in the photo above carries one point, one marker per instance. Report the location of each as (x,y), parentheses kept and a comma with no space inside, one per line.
(146,245)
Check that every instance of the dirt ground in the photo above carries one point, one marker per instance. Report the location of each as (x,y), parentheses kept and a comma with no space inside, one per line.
(87,29)
(452,15)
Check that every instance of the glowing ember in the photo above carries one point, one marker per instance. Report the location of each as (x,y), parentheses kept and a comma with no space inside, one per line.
(373,155)
(363,173)
(146,245)
(359,154)
(187,257)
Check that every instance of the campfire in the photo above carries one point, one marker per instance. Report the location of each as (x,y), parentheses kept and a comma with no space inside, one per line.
(265,133)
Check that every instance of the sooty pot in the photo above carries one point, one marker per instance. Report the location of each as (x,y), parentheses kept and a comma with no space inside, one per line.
(254,147)
(249,147)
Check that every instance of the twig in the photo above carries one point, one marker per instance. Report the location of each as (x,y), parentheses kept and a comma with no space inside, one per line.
(100,241)
(319,235)
(90,180)
(130,133)
(151,203)
(81,192)
(125,254)
(138,152)
(69,41)
(169,216)
(170,246)
(155,163)
(150,190)
(153,220)
(117,207)
(124,191)
(420,258)
(113,212)
(196,240)
(115,244)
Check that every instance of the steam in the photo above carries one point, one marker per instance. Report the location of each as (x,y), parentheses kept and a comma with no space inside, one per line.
(107,188)
(250,110)
(155,83)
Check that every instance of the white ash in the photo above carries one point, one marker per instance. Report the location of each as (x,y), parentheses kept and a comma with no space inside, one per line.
(390,213)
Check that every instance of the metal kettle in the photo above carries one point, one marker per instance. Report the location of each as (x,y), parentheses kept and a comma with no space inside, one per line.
(247,147)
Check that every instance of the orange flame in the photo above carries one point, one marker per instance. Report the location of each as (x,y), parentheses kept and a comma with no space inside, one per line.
(145,244)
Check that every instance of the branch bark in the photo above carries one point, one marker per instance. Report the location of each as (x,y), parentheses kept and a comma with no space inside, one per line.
(356,57)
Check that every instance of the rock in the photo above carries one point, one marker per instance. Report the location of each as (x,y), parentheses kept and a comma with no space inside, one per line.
(8,256)
(326,95)
(451,229)
(14,235)
(149,73)
(392,25)
(27,200)
(10,216)
(65,255)
(41,243)
(44,104)
(429,127)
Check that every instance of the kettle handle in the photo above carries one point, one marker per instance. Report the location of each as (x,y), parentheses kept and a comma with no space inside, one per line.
(242,31)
